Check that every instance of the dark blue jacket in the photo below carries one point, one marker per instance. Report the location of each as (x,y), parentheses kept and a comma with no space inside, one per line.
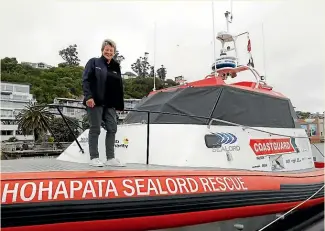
(103,82)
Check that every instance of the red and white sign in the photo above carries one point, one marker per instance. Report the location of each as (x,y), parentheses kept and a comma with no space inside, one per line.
(81,189)
(271,146)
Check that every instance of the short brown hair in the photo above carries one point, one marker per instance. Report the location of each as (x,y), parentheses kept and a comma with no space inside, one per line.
(108,42)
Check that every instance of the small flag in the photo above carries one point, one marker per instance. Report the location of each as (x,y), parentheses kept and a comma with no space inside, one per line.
(249,47)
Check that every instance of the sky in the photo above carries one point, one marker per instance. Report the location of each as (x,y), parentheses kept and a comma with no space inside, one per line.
(290,52)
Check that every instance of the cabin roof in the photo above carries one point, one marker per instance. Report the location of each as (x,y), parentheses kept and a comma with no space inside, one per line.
(212,81)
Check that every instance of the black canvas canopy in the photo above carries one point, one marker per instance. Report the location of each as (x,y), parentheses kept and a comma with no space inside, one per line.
(221,102)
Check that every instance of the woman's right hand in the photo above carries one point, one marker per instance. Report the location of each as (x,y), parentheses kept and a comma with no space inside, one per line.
(90,103)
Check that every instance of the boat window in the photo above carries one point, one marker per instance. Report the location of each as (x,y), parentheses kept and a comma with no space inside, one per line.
(253,109)
(186,101)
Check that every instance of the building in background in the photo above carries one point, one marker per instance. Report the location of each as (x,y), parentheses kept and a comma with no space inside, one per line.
(37,65)
(79,113)
(128,75)
(14,97)
(314,128)
(66,111)
(180,80)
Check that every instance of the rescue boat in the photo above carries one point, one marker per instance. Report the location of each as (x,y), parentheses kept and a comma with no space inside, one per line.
(205,151)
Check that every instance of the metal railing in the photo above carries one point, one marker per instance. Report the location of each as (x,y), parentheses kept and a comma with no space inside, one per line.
(58,106)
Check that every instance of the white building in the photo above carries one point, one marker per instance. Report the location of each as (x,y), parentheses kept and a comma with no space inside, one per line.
(37,65)
(14,98)
(128,75)
(66,111)
(78,113)
(180,80)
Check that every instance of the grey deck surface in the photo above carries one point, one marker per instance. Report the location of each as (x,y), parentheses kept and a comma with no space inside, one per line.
(51,164)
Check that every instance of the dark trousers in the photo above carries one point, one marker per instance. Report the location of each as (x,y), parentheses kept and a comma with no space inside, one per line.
(98,116)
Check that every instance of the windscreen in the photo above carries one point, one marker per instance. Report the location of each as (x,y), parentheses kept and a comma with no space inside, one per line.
(253,109)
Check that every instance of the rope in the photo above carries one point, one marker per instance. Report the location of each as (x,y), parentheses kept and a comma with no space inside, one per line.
(294,208)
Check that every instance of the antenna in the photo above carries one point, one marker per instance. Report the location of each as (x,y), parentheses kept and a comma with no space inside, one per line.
(214,42)
(154,58)
(264,62)
(224,37)
(227,14)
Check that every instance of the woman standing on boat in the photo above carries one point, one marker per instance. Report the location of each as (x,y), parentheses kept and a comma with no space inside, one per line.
(103,95)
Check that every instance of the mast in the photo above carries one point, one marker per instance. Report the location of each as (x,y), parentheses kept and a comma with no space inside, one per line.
(227,14)
(154,58)
(213,39)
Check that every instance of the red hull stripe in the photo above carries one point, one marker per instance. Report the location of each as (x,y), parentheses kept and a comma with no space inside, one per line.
(26,191)
(166,221)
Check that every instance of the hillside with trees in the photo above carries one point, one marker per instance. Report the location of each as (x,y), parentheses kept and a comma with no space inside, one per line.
(66,79)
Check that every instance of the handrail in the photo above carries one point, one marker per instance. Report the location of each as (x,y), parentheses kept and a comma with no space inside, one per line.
(136,110)
(256,129)
(209,121)
(253,71)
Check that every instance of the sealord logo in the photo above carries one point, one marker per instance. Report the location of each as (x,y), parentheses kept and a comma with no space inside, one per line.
(226,138)
(221,141)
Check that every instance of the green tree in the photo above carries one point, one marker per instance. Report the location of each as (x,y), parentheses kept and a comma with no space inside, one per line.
(141,87)
(34,118)
(45,84)
(169,83)
(303,115)
(118,57)
(162,72)
(141,66)
(137,68)
(70,56)
(61,131)
(9,65)
(152,71)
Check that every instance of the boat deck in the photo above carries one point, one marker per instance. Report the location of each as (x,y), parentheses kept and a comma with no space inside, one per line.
(51,164)
(54,165)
